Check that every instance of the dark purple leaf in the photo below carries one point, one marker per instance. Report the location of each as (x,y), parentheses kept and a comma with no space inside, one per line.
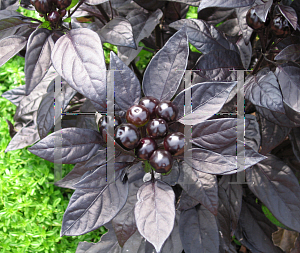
(209,162)
(107,244)
(77,145)
(277,118)
(173,243)
(226,4)
(28,135)
(234,194)
(262,10)
(246,30)
(11,128)
(224,219)
(73,176)
(253,219)
(124,223)
(15,95)
(155,212)
(205,37)
(32,102)
(252,133)
(208,97)
(10,14)
(150,5)
(288,75)
(274,183)
(251,156)
(186,202)
(271,135)
(230,27)
(10,46)
(188,2)
(215,15)
(45,115)
(290,14)
(9,26)
(223,162)
(90,209)
(95,2)
(295,141)
(198,230)
(173,176)
(37,58)
(290,53)
(264,91)
(78,58)
(218,59)
(245,52)
(126,83)
(216,133)
(296,6)
(97,160)
(9,4)
(142,25)
(118,32)
(200,186)
(164,72)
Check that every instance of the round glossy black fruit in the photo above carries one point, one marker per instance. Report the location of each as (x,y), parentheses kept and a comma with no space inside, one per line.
(161,161)
(127,136)
(63,4)
(103,125)
(42,6)
(253,20)
(280,26)
(53,16)
(157,128)
(145,148)
(137,115)
(150,103)
(167,111)
(174,143)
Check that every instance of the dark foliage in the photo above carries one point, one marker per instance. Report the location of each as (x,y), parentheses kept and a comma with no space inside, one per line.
(195,202)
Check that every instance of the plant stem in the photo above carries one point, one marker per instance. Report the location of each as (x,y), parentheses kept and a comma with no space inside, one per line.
(100,8)
(76,8)
(158,37)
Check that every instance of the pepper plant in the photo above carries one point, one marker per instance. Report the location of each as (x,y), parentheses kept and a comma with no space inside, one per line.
(174,184)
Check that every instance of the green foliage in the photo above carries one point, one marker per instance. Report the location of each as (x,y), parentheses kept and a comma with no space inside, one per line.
(192,13)
(31,207)
(143,58)
(31,14)
(272,218)
(107,48)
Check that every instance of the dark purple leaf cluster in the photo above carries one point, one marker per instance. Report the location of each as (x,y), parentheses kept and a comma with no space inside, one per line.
(200,205)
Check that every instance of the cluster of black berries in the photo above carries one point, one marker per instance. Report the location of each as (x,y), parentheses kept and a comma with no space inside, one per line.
(53,10)
(152,116)
(279,25)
